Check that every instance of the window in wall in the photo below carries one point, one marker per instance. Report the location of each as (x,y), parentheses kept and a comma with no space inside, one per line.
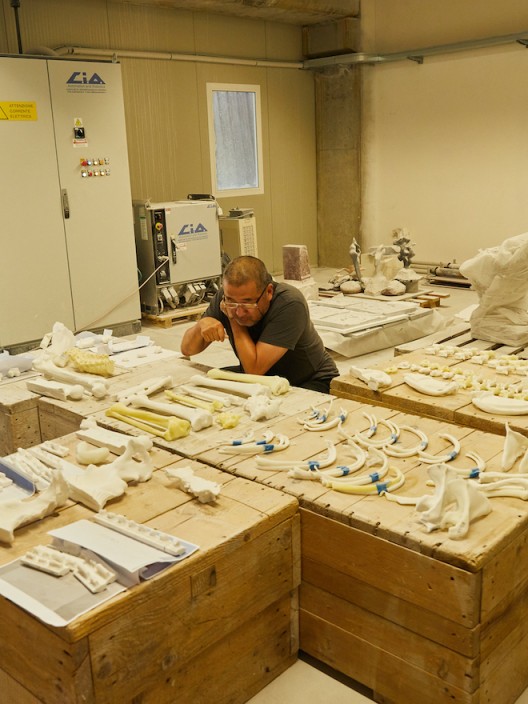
(235,139)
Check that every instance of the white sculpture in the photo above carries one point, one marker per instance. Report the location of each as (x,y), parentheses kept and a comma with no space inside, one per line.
(185,479)
(128,468)
(430,386)
(18,512)
(262,407)
(500,277)
(373,378)
(90,454)
(499,405)
(278,384)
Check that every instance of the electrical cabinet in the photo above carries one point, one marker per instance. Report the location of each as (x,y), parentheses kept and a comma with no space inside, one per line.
(67,237)
(239,236)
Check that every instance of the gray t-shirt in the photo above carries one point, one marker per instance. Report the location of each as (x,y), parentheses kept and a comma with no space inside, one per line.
(287,324)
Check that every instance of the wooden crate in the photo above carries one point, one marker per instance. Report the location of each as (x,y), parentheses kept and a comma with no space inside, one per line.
(415,616)
(19,419)
(216,627)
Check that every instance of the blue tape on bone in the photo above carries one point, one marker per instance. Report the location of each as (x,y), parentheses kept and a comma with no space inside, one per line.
(236,442)
(381,487)
(342,416)
(453,454)
(475,473)
(313,465)
(374,477)
(393,437)
(423,445)
(261,442)
(269,448)
(373,428)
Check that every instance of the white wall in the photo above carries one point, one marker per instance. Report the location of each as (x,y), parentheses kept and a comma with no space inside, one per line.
(445,143)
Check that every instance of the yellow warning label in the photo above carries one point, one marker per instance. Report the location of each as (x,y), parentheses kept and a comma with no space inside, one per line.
(18,110)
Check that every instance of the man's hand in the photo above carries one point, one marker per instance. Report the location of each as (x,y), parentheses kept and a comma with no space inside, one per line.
(211,330)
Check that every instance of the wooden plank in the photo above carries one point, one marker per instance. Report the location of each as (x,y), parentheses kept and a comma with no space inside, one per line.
(12,691)
(425,582)
(388,676)
(167,318)
(455,636)
(394,639)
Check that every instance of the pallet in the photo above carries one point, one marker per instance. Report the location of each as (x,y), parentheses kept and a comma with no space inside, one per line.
(168,317)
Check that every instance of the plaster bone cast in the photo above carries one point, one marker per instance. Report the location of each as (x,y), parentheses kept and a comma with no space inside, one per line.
(209,406)
(374,488)
(499,405)
(97,387)
(55,448)
(277,384)
(374,457)
(227,419)
(32,468)
(167,427)
(262,407)
(102,437)
(260,447)
(373,378)
(329,424)
(515,446)
(424,384)
(305,465)
(18,512)
(317,415)
(138,531)
(186,480)
(499,484)
(455,503)
(439,459)
(91,362)
(197,417)
(93,486)
(500,277)
(249,436)
(55,389)
(128,468)
(218,399)
(147,388)
(232,387)
(86,454)
(381,442)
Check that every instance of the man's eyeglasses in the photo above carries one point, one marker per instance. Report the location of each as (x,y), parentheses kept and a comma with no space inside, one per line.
(232,305)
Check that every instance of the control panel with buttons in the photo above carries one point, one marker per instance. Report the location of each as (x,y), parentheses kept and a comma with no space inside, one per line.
(96,166)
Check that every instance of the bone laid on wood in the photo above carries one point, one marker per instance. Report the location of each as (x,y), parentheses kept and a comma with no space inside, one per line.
(278,384)
(233,387)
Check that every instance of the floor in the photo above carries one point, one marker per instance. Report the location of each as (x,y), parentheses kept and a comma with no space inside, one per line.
(309,681)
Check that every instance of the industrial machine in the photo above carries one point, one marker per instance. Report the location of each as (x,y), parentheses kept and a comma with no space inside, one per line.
(238,234)
(67,237)
(178,253)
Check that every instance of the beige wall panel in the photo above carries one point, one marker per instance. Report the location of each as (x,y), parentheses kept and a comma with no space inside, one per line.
(6,19)
(390,26)
(292,181)
(164,145)
(150,28)
(52,23)
(229,36)
(283,42)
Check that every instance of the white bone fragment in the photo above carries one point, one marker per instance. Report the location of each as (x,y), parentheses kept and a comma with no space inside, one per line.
(55,389)
(97,388)
(93,486)
(374,457)
(278,384)
(327,425)
(232,387)
(197,417)
(149,536)
(204,490)
(55,448)
(32,468)
(372,487)
(130,470)
(18,512)
(115,441)
(397,451)
(439,459)
(167,427)
(381,442)
(90,454)
(45,560)
(515,446)
(262,407)
(258,447)
(373,378)
(490,403)
(431,387)
(95,576)
(147,388)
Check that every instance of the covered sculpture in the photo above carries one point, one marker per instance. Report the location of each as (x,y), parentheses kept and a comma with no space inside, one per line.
(500,277)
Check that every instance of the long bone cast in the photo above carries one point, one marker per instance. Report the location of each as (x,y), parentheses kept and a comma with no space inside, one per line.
(197,417)
(97,387)
(232,387)
(167,427)
(277,384)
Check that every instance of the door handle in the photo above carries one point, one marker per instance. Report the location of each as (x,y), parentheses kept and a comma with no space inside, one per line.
(65,204)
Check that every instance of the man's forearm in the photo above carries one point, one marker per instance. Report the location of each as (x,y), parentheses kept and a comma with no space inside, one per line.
(193,342)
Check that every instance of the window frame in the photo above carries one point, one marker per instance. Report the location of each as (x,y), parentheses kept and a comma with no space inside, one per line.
(235,88)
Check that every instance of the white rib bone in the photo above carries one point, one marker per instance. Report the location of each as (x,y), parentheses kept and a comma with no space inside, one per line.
(396,451)
(372,488)
(234,387)
(310,465)
(260,447)
(248,437)
(389,440)
(197,417)
(18,512)
(277,384)
(431,387)
(439,459)
(205,490)
(374,457)
(335,422)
